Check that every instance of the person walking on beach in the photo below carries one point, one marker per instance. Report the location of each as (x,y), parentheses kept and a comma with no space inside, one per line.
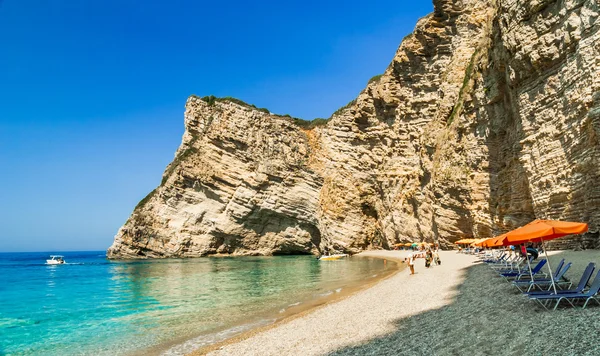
(436,258)
(428,258)
(411,263)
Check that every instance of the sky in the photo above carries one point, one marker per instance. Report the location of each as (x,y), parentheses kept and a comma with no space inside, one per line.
(92,93)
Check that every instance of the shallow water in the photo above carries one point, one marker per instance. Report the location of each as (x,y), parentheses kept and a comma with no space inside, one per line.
(95,306)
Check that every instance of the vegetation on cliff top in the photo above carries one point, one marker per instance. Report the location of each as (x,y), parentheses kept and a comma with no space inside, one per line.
(306,124)
(374,78)
(211,100)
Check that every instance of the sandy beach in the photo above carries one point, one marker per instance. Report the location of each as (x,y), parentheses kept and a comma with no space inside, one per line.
(460,307)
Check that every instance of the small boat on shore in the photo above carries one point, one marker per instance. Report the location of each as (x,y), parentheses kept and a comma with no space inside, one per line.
(333,257)
(56,260)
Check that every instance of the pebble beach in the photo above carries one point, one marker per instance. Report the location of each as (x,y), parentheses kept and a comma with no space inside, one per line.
(460,307)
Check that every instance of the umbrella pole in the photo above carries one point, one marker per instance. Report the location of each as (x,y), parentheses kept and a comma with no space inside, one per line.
(549,268)
(529,265)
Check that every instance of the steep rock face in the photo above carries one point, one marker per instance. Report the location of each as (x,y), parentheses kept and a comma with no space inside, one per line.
(487,117)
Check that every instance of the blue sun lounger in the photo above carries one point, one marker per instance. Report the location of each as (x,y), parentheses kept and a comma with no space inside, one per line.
(559,279)
(525,273)
(583,281)
(496,260)
(570,297)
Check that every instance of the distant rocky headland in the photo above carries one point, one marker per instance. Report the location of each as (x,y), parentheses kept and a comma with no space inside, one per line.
(487,117)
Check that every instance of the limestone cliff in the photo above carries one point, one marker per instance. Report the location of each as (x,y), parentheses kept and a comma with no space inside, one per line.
(487,117)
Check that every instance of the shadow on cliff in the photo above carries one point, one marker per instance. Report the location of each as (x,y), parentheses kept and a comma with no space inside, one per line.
(562,191)
(487,316)
(510,200)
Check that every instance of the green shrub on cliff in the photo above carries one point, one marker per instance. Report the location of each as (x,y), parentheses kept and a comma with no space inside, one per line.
(307,124)
(456,110)
(211,100)
(310,124)
(375,78)
(340,110)
(145,200)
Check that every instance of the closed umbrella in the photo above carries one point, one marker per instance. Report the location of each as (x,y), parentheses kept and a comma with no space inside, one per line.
(542,230)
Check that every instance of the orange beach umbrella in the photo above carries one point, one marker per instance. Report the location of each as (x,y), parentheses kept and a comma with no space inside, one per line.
(496,241)
(480,242)
(484,242)
(487,242)
(464,241)
(542,230)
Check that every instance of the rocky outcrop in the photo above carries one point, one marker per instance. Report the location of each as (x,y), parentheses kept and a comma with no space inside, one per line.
(487,117)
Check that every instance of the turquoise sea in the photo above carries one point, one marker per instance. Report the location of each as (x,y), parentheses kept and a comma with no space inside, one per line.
(93,306)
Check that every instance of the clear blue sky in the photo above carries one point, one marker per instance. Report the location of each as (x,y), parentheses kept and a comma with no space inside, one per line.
(92,93)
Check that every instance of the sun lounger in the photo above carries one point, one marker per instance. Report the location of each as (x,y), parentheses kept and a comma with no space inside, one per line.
(559,269)
(505,257)
(515,267)
(502,257)
(509,265)
(583,281)
(525,273)
(558,278)
(571,297)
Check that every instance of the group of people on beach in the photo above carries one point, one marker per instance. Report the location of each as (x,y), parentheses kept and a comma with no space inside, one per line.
(430,254)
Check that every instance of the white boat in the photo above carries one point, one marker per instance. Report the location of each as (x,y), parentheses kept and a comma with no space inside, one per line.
(55,260)
(333,257)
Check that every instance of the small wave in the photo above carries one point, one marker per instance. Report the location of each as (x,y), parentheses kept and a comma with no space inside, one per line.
(294,304)
(13,322)
(282,311)
(328,293)
(338,290)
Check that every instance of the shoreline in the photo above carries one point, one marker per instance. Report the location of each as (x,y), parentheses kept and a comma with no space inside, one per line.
(364,315)
(290,313)
(308,308)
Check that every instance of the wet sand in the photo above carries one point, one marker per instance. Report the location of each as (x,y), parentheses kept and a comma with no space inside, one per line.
(460,307)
